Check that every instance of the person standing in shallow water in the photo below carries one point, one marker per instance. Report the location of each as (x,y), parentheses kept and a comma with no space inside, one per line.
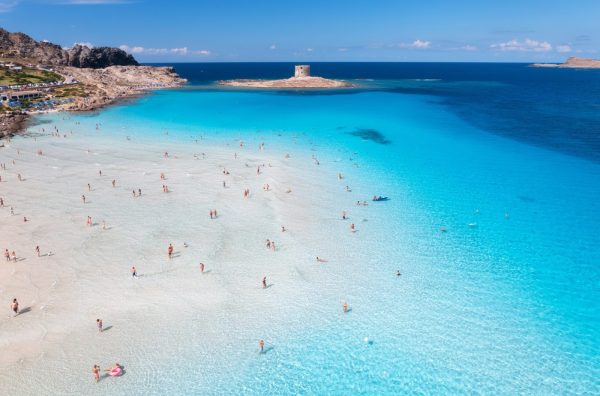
(261,345)
(264,282)
(202,268)
(99,325)
(96,372)
(15,307)
(170,251)
(133,272)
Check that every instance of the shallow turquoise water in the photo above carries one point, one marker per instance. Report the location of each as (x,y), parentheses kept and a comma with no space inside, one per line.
(509,306)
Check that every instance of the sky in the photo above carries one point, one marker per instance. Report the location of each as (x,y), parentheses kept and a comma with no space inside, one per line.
(311,30)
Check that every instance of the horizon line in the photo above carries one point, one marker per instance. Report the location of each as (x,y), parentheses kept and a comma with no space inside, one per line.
(312,62)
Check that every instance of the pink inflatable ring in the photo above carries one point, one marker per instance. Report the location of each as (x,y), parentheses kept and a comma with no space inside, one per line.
(115,372)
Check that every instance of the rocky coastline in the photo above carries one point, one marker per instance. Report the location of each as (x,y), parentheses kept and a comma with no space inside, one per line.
(102,76)
(108,85)
(572,63)
(102,87)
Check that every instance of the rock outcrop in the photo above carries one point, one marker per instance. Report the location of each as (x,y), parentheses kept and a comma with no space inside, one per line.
(103,75)
(21,46)
(99,57)
(106,85)
(12,123)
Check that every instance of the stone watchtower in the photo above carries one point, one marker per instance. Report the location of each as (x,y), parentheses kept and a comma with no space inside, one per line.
(302,71)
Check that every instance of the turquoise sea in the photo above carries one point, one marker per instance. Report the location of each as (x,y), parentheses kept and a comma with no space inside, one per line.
(504,158)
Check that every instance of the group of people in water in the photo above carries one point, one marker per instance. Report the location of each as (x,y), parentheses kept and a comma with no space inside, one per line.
(114,371)
(117,369)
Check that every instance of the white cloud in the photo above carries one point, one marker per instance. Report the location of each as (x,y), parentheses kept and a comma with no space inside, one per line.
(468,47)
(272,47)
(183,51)
(421,44)
(132,50)
(309,50)
(563,48)
(528,45)
(180,51)
(342,49)
(417,44)
(84,44)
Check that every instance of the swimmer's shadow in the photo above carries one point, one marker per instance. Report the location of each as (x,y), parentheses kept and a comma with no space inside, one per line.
(266,350)
(106,328)
(24,310)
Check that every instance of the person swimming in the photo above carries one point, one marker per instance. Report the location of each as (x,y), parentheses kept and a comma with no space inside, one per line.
(115,371)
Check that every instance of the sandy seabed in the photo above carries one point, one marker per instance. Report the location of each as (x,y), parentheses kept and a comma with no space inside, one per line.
(84,271)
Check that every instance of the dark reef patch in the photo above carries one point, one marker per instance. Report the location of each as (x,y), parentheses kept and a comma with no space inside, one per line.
(370,134)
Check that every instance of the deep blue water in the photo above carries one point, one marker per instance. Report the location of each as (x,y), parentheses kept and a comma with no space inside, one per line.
(557,109)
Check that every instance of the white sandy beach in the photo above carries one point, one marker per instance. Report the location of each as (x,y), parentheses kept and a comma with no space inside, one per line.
(87,275)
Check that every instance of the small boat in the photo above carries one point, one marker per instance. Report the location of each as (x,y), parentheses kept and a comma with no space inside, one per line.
(378,198)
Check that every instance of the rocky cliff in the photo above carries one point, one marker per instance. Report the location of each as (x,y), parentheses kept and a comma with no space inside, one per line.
(20,45)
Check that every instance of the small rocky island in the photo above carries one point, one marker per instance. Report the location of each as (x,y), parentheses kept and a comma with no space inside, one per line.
(301,79)
(573,63)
